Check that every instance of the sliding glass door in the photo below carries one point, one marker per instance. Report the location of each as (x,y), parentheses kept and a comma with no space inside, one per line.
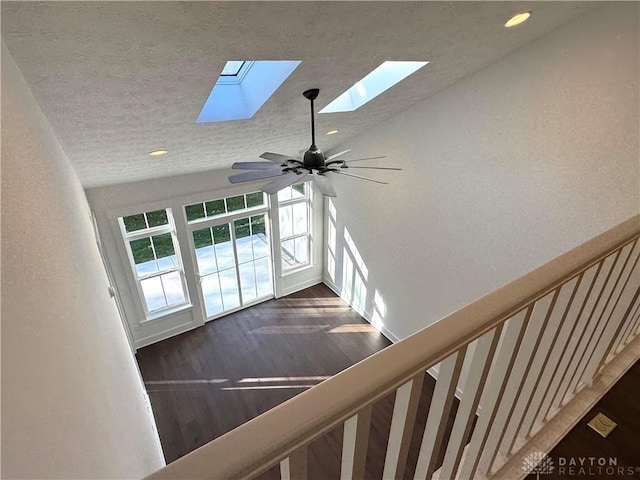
(232,255)
(253,257)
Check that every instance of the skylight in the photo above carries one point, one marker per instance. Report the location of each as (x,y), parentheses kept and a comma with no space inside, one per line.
(243,87)
(232,68)
(379,80)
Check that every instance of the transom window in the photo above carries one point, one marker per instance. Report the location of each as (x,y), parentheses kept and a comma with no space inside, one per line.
(224,206)
(147,220)
(294,208)
(152,248)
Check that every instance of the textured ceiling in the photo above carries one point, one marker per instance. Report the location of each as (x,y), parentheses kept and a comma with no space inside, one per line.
(118,79)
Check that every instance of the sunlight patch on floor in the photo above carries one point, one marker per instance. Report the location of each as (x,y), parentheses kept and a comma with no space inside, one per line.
(242,384)
(354,328)
(187,382)
(268,387)
(283,379)
(280,329)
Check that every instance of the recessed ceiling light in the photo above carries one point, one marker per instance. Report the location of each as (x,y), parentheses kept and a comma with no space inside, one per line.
(517,19)
(332,132)
(156,153)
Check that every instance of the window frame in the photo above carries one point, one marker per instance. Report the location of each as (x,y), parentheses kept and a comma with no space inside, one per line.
(150,232)
(241,212)
(307,198)
(236,71)
(224,219)
(235,78)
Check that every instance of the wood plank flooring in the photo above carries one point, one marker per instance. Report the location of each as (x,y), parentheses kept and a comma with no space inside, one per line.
(587,449)
(206,382)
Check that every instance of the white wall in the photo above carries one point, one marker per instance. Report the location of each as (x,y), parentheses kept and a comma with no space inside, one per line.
(73,404)
(503,171)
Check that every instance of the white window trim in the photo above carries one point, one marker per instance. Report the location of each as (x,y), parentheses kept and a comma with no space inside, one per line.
(148,233)
(147,329)
(224,219)
(307,198)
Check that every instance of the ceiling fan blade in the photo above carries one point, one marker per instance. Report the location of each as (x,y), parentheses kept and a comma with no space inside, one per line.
(358,176)
(324,185)
(336,155)
(345,162)
(374,168)
(276,157)
(253,166)
(367,158)
(258,175)
(284,181)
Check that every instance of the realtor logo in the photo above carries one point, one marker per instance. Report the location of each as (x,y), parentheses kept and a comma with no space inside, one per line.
(538,463)
(599,467)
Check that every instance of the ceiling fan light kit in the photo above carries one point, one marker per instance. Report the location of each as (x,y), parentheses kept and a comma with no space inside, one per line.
(289,170)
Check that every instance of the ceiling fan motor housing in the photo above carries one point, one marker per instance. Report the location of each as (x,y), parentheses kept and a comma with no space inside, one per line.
(313,158)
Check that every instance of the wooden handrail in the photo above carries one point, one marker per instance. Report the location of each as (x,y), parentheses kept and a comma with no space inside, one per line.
(265,440)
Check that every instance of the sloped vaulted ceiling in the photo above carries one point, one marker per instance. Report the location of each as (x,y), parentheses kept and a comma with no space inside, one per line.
(118,79)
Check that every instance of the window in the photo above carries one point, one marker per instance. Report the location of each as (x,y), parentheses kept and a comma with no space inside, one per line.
(294,208)
(151,244)
(232,251)
(224,206)
(232,68)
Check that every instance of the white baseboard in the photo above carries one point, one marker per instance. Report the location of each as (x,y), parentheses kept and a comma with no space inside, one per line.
(433,371)
(386,332)
(389,335)
(163,335)
(154,426)
(300,286)
(332,286)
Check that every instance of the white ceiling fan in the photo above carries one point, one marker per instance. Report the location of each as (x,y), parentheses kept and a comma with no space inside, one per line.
(288,170)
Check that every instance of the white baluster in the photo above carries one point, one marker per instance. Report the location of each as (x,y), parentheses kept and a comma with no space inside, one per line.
(354,445)
(439,410)
(483,356)
(402,423)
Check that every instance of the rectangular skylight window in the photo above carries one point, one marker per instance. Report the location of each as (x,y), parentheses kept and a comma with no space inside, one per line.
(239,96)
(232,68)
(378,81)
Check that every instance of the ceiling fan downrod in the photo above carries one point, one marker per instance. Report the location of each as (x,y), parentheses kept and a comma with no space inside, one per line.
(311,95)
(313,158)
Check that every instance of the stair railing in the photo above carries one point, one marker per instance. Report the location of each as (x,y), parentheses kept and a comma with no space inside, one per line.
(513,359)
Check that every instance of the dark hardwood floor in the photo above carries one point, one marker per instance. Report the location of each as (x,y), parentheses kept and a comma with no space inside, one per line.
(206,382)
(583,453)
(210,380)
